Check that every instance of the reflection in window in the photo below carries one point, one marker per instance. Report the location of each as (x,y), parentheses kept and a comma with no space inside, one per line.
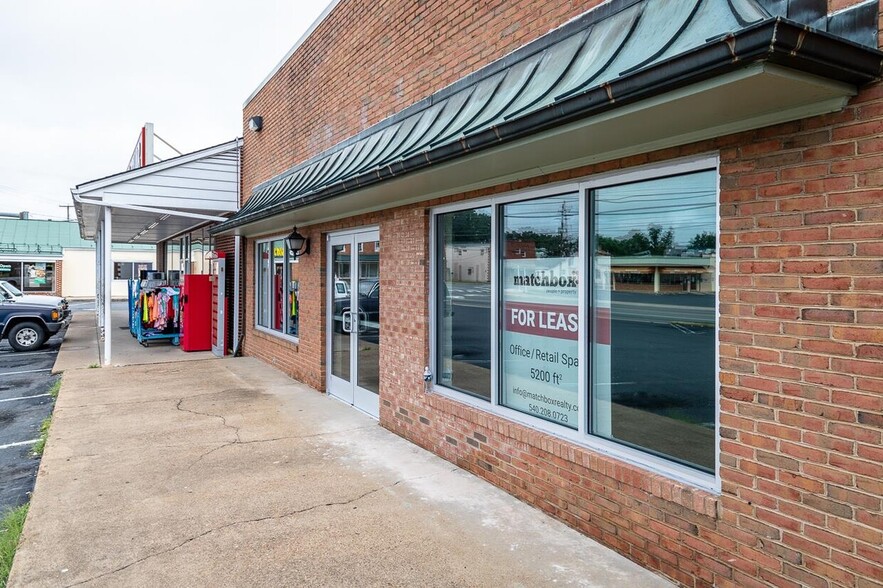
(540,305)
(11,272)
(263,284)
(464,294)
(128,270)
(38,276)
(277,288)
(653,328)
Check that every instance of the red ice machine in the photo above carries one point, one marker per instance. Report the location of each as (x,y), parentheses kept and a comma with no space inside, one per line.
(196,312)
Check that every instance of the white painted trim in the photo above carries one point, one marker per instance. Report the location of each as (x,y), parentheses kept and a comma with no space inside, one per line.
(283,336)
(151,169)
(26,397)
(257,302)
(107,283)
(237,272)
(18,444)
(168,211)
(24,372)
(291,51)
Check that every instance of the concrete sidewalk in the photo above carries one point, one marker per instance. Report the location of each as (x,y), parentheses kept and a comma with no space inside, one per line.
(228,473)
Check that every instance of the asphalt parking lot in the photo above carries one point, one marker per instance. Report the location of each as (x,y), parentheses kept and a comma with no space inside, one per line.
(25,380)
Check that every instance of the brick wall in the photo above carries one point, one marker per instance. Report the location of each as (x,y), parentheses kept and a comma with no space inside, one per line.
(800,369)
(368,60)
(801,241)
(57,277)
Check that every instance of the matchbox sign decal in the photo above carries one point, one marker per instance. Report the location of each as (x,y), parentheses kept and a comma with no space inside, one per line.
(546,320)
(540,348)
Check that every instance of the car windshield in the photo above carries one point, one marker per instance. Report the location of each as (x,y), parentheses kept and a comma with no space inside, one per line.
(12,289)
(366,286)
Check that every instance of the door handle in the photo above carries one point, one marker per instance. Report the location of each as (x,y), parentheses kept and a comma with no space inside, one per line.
(347,320)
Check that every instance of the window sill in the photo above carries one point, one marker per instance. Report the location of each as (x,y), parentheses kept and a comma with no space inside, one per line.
(287,338)
(662,479)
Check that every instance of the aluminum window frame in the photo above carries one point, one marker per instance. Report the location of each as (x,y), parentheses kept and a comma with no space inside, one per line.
(286,279)
(581,436)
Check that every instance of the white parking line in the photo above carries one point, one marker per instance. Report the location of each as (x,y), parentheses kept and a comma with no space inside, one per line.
(25,372)
(19,444)
(23,397)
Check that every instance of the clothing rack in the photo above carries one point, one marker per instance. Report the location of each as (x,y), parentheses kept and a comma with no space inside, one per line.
(154,312)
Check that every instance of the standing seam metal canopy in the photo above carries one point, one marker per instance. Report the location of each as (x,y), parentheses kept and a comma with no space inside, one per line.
(613,55)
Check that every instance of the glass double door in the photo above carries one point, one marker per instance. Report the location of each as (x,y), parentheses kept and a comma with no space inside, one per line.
(354,319)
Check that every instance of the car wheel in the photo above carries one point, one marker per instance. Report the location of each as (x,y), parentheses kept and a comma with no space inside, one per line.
(26,336)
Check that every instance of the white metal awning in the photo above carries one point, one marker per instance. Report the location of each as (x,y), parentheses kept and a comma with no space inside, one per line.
(151,204)
(158,201)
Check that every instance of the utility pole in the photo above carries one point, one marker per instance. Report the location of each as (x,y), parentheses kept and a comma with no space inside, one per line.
(68,207)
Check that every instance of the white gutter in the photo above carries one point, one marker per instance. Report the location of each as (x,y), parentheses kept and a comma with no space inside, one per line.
(168,211)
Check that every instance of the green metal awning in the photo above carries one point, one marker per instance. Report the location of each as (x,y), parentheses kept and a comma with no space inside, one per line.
(626,77)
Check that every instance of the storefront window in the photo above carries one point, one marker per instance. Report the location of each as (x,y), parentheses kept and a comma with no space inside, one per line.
(38,276)
(128,270)
(11,272)
(540,307)
(653,341)
(173,255)
(277,296)
(464,295)
(277,288)
(646,333)
(263,284)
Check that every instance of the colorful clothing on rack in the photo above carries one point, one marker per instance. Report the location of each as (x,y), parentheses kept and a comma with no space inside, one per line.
(157,308)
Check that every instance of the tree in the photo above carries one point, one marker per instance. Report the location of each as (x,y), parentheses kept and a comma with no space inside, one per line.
(703,240)
(659,242)
(470,227)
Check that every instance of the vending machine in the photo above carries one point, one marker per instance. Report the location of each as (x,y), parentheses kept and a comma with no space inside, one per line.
(196,312)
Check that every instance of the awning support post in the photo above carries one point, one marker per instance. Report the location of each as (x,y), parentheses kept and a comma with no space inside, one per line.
(107,282)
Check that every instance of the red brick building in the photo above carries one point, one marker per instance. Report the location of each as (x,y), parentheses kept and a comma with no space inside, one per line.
(721,425)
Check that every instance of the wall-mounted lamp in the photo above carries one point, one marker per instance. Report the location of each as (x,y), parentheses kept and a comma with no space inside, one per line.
(256,123)
(297,243)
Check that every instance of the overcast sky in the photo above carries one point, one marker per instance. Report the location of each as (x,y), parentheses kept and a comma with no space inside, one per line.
(79,79)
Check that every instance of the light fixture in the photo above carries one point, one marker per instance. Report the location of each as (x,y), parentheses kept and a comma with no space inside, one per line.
(256,123)
(211,255)
(297,243)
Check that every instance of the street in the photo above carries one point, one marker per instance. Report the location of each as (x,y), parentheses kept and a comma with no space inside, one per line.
(654,336)
(25,380)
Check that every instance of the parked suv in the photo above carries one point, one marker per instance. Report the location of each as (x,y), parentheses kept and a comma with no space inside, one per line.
(27,325)
(8,290)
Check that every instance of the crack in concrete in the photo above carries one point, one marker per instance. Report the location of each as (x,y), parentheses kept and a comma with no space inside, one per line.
(207,414)
(131,403)
(253,441)
(258,520)
(227,526)
(134,402)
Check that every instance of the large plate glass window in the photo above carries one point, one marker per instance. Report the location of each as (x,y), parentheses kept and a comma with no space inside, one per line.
(653,329)
(277,288)
(263,284)
(540,308)
(38,276)
(11,272)
(464,301)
